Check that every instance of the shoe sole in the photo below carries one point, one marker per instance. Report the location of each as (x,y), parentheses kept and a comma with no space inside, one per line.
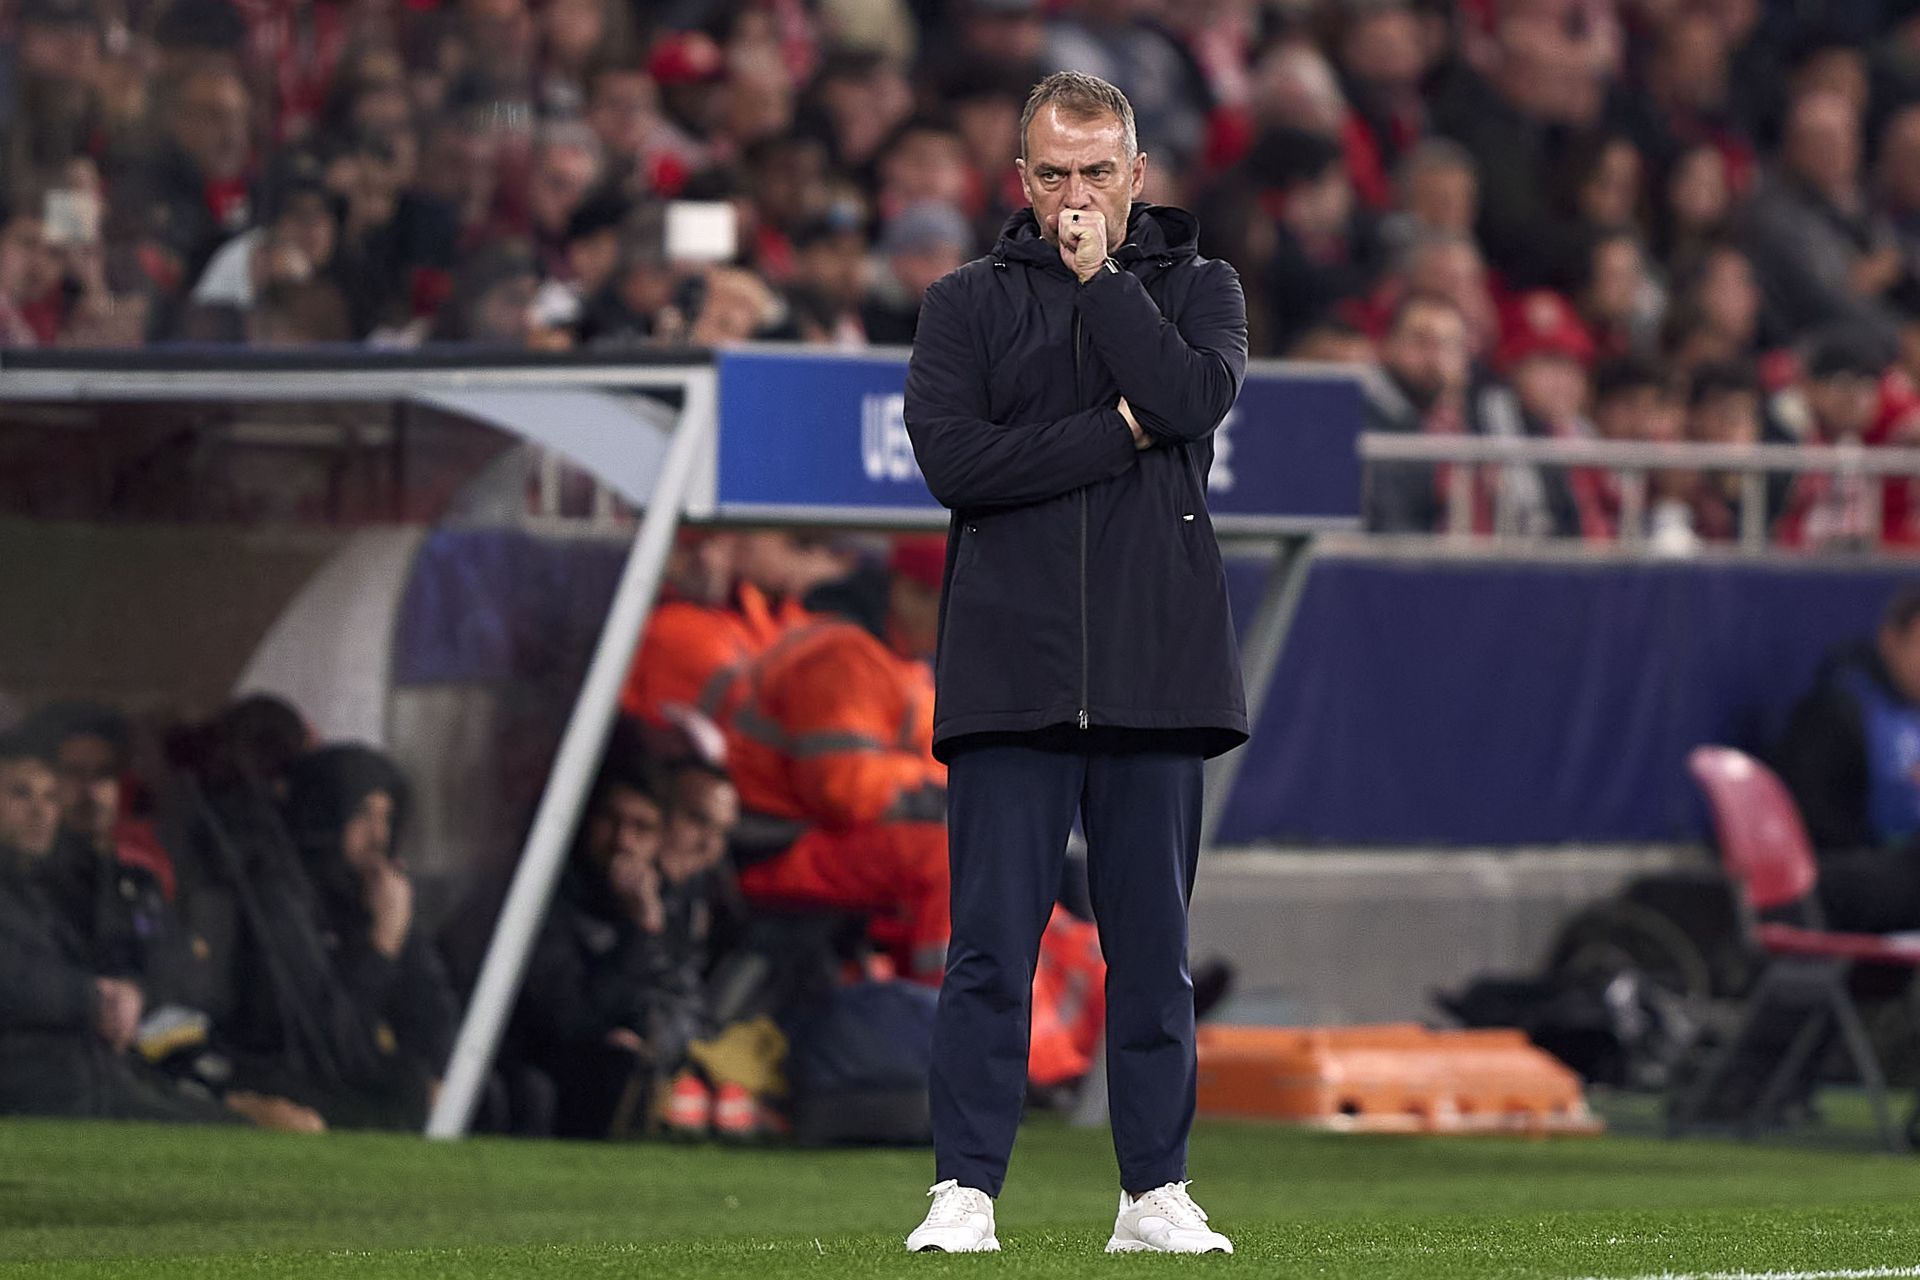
(987,1246)
(1117,1245)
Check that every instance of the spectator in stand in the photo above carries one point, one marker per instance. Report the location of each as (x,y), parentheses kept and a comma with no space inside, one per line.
(985,100)
(1119,41)
(1383,58)
(859,98)
(193,195)
(567,166)
(1011,34)
(1823,253)
(492,298)
(28,269)
(460,168)
(1632,400)
(1827,511)
(1418,389)
(292,243)
(1546,75)
(1849,758)
(1717,314)
(1438,193)
(925,161)
(830,268)
(1693,95)
(917,246)
(1619,302)
(1724,407)
(1544,356)
(53,110)
(1451,266)
(1697,209)
(788,181)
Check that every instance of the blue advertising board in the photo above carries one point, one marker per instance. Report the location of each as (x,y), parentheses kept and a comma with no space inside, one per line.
(825,434)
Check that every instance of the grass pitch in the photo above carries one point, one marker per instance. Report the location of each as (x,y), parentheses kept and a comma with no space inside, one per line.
(123,1200)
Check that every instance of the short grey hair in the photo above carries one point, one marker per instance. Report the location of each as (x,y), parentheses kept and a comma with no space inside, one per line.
(1084,97)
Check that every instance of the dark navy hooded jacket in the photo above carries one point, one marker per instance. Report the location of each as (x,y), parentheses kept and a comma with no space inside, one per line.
(1083,583)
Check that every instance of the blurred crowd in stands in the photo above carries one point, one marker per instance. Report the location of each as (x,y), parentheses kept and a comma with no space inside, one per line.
(1645,220)
(216,922)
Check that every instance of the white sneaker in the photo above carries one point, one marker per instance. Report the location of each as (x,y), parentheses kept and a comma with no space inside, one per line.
(960,1221)
(1164,1220)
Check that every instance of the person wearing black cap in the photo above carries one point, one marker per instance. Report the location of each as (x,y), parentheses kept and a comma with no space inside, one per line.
(1062,399)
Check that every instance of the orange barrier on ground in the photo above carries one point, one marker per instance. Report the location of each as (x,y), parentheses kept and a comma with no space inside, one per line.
(1390,1079)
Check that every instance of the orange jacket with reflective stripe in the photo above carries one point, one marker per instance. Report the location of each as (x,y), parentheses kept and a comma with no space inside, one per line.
(690,651)
(833,728)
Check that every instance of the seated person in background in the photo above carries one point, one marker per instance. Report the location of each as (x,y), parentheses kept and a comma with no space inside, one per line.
(583,1017)
(388,1010)
(830,741)
(92,746)
(64,1027)
(708,622)
(1851,757)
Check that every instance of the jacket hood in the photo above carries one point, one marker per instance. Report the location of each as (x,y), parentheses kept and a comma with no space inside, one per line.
(324,789)
(1153,231)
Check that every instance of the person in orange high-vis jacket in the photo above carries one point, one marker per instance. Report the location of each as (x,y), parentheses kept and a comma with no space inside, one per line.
(830,740)
(704,631)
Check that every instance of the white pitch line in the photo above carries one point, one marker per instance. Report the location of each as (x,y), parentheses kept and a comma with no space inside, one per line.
(1864,1273)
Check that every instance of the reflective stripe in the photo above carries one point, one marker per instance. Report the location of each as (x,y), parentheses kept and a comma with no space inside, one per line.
(714,691)
(829,742)
(757,726)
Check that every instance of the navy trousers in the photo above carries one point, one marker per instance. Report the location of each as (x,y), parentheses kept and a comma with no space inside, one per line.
(1010,809)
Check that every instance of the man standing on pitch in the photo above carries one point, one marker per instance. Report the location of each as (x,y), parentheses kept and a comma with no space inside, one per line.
(1062,399)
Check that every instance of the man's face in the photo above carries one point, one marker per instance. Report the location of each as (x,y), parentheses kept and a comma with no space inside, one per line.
(918,269)
(1551,386)
(562,176)
(1445,197)
(705,811)
(58,50)
(1900,650)
(837,267)
(210,124)
(1631,413)
(29,807)
(1427,352)
(625,110)
(89,786)
(1617,278)
(1843,404)
(925,165)
(1080,164)
(367,840)
(1823,143)
(625,824)
(1728,417)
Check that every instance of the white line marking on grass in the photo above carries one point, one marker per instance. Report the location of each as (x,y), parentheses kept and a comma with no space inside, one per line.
(1863,1273)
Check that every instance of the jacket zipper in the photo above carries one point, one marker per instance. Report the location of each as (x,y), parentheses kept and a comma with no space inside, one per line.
(1085,663)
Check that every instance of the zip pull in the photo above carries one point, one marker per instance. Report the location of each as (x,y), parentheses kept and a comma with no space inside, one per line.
(1188,517)
(1083,720)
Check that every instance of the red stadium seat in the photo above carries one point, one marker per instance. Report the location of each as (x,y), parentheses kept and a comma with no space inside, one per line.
(1801,992)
